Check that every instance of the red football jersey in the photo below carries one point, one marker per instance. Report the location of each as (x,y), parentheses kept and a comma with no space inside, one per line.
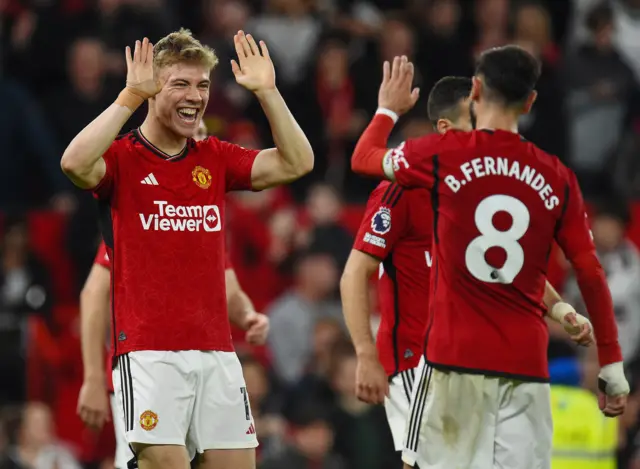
(396,229)
(162,219)
(499,202)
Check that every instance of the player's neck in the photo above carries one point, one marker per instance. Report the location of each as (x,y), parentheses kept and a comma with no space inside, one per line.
(497,118)
(161,137)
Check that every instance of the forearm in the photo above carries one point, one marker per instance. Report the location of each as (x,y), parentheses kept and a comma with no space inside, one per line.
(239,306)
(86,149)
(551,297)
(371,148)
(292,144)
(356,310)
(93,331)
(597,297)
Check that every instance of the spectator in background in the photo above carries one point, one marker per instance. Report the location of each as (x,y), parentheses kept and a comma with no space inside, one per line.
(326,232)
(363,438)
(36,444)
(599,84)
(293,316)
(545,124)
(29,161)
(24,290)
(492,21)
(312,440)
(621,262)
(292,33)
(582,436)
(315,385)
(270,426)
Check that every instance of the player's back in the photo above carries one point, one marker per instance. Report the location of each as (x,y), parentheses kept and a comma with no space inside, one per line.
(498,200)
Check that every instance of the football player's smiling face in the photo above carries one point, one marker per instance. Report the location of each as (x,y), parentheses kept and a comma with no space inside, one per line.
(183,98)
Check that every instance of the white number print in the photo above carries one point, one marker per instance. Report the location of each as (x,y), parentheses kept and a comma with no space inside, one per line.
(490,237)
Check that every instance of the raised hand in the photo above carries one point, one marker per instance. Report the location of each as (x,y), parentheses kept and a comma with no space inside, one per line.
(254,68)
(396,91)
(141,80)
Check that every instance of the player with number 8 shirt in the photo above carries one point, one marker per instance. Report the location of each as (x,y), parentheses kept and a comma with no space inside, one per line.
(499,203)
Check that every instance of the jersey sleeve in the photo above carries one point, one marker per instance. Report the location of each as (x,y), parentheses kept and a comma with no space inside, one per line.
(104,189)
(239,162)
(384,221)
(574,235)
(102,256)
(413,163)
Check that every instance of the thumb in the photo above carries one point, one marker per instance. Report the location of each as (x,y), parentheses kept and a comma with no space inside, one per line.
(235,68)
(571,319)
(415,94)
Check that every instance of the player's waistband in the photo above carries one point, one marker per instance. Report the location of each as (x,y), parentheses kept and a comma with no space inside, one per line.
(492,373)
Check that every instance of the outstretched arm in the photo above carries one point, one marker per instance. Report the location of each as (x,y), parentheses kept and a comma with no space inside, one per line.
(292,157)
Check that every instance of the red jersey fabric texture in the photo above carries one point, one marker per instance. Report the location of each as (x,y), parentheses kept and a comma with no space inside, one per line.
(396,229)
(162,220)
(499,204)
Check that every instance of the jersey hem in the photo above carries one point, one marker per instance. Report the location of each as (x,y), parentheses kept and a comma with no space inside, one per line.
(490,373)
(141,348)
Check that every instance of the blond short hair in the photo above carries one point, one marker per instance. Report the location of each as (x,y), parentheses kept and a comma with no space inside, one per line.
(181,46)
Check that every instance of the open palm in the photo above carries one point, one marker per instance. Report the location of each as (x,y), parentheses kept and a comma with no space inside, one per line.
(254,69)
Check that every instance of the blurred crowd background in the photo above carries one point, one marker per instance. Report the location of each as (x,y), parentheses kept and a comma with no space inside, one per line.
(62,63)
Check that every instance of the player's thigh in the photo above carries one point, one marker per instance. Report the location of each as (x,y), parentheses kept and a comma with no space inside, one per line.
(450,421)
(396,405)
(222,417)
(227,459)
(123,451)
(524,429)
(155,393)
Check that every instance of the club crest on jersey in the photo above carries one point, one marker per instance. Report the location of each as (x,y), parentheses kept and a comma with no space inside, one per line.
(381,221)
(148,420)
(202,177)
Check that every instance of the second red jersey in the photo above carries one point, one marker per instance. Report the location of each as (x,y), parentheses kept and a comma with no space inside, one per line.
(499,203)
(102,259)
(396,229)
(162,220)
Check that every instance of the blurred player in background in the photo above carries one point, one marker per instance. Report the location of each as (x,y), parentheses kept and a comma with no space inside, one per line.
(177,380)
(93,405)
(395,238)
(499,203)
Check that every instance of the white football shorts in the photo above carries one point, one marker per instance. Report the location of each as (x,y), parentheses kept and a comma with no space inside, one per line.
(191,398)
(478,422)
(123,451)
(398,403)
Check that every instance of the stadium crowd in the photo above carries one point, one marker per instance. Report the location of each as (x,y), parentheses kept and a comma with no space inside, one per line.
(62,63)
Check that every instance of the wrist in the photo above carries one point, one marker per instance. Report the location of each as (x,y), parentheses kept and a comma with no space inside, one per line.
(96,378)
(267,93)
(389,113)
(129,99)
(367,350)
(559,310)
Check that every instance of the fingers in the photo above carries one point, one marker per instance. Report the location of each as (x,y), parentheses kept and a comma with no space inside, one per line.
(241,43)
(127,56)
(253,45)
(136,52)
(93,419)
(415,95)
(371,394)
(149,59)
(395,68)
(265,50)
(144,48)
(612,406)
(386,72)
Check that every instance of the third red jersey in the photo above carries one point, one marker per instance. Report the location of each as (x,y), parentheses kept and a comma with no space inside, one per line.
(162,219)
(396,229)
(102,259)
(499,203)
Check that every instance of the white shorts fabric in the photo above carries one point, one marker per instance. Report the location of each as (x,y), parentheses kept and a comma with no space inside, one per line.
(191,398)
(478,422)
(123,451)
(398,403)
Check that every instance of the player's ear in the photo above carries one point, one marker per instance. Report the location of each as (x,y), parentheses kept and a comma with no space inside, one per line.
(476,88)
(528,104)
(443,125)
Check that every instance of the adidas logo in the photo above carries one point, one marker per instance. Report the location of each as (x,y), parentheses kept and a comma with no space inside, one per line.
(150,179)
(252,430)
